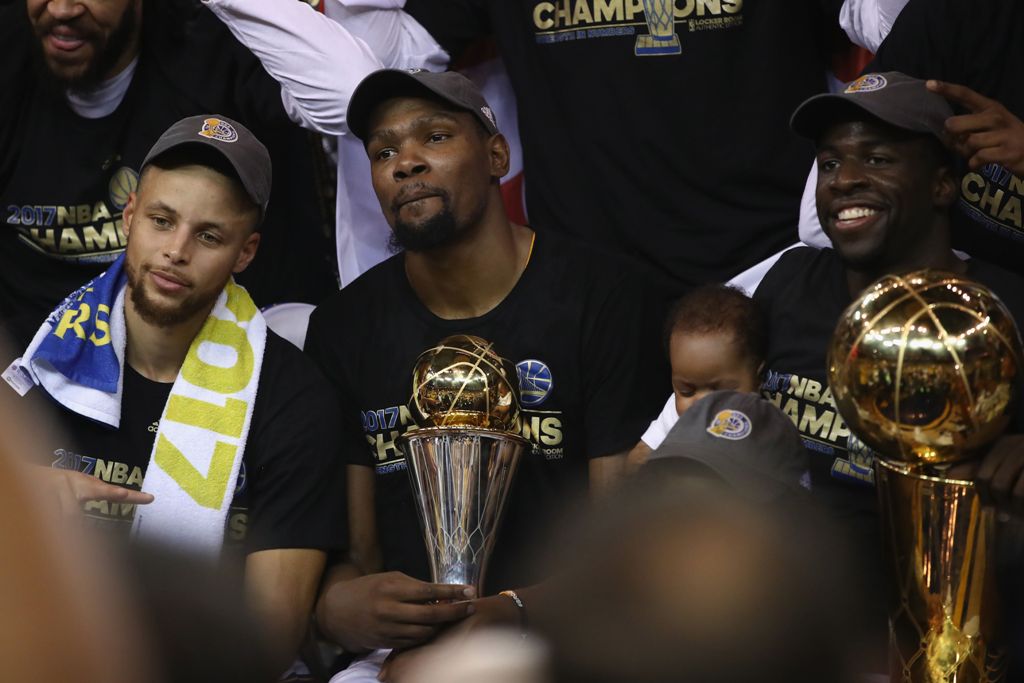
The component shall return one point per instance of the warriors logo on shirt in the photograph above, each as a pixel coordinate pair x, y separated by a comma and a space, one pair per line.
218, 129
535, 382
654, 23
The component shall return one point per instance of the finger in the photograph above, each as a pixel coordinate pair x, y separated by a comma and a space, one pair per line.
442, 613
407, 589
1004, 479
973, 123
100, 490
959, 94
987, 139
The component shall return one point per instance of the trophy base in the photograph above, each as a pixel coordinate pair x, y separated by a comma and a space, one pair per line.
655, 45
943, 609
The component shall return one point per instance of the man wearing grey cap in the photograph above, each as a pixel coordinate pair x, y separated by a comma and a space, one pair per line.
175, 396
575, 323
884, 193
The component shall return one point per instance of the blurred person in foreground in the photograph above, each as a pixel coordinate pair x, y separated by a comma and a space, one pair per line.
711, 565
169, 382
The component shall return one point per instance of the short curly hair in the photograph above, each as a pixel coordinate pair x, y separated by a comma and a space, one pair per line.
721, 308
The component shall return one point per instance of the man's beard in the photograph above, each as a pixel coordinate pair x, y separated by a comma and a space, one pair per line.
154, 314
439, 230
107, 53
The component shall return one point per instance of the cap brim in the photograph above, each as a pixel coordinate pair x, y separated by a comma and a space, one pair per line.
819, 112
379, 86
246, 174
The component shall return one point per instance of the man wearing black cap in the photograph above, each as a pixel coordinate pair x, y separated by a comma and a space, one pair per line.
884, 194
169, 383
573, 321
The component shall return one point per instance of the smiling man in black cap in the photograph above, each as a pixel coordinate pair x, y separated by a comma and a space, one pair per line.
573, 321
170, 383
884, 194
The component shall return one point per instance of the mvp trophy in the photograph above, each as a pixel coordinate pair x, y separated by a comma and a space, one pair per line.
925, 369
661, 26
462, 458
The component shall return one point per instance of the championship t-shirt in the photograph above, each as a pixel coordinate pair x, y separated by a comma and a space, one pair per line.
290, 491
979, 44
584, 338
65, 179
658, 129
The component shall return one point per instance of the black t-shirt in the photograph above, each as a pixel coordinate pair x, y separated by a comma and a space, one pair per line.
980, 44
64, 179
291, 487
576, 322
684, 160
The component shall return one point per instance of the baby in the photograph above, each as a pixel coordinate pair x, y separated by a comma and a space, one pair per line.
716, 338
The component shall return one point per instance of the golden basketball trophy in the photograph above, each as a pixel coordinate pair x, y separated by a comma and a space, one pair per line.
464, 454
925, 369
661, 38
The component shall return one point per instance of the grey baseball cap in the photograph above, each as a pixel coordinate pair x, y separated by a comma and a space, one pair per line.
742, 438
893, 97
450, 86
232, 140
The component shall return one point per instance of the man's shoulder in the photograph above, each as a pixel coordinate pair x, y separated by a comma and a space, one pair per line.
801, 264
572, 265
369, 290
1006, 285
287, 373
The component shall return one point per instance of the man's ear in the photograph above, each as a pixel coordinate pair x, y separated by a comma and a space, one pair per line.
128, 213
248, 252
500, 156
946, 189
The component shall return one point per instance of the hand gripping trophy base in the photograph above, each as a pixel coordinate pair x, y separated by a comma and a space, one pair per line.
460, 478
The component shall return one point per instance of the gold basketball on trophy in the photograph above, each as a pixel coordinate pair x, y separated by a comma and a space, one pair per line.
924, 367
463, 382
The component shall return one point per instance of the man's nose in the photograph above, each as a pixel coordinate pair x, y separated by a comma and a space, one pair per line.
410, 164
848, 176
65, 10
178, 247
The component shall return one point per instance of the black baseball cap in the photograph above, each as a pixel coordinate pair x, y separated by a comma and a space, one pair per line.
232, 140
742, 438
450, 86
893, 97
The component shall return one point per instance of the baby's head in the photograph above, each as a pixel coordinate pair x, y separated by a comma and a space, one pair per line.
716, 337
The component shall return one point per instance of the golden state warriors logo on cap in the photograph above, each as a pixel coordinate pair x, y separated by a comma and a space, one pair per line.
730, 424
218, 129
867, 83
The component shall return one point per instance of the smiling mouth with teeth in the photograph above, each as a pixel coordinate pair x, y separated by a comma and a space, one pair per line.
855, 213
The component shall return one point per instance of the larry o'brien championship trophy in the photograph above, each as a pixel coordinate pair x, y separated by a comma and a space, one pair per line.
462, 458
925, 369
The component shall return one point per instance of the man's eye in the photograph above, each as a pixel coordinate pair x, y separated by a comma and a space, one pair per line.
209, 238
439, 137
161, 222
876, 160
827, 165
385, 153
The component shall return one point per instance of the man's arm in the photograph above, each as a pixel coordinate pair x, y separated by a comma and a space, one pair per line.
281, 587
868, 22
317, 62
362, 609
606, 472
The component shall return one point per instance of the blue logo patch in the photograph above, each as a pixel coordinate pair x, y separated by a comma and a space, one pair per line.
730, 424
535, 382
